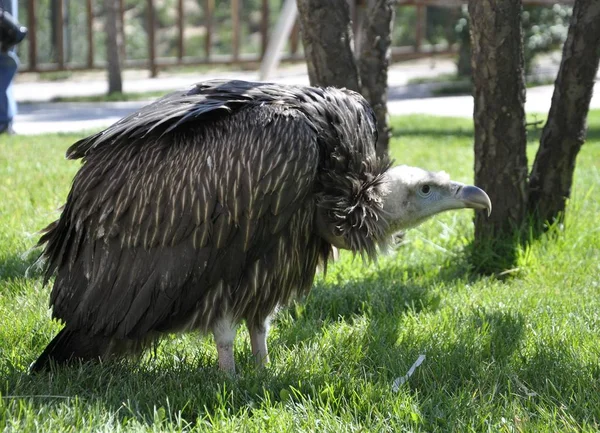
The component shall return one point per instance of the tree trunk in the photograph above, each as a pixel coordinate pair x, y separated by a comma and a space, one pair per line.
327, 37
54, 9
374, 60
113, 46
499, 116
564, 132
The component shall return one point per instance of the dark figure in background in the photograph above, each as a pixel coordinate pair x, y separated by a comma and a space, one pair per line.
11, 33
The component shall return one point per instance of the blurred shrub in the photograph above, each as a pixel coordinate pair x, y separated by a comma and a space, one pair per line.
544, 30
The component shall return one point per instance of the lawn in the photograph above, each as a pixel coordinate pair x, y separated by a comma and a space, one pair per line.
512, 352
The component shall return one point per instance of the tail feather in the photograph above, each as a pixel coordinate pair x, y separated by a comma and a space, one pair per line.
72, 346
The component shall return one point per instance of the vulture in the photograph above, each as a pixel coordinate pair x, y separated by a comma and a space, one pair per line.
214, 206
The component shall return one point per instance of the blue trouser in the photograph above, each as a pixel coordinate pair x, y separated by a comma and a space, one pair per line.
8, 106
8, 68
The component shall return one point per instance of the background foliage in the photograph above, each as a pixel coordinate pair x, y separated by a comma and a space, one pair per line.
544, 28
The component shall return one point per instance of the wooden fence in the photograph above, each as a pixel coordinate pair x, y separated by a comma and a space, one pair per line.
154, 63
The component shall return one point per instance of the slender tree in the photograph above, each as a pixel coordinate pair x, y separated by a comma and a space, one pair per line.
374, 61
60, 37
327, 37
564, 132
500, 136
113, 46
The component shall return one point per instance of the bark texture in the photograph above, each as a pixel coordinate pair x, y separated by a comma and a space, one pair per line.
327, 38
499, 116
374, 61
565, 130
113, 46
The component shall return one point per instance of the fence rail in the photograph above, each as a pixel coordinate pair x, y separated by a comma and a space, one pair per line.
153, 62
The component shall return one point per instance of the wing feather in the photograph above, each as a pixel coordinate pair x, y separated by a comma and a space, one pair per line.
211, 99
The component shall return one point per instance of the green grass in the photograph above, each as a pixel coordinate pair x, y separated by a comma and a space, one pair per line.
502, 354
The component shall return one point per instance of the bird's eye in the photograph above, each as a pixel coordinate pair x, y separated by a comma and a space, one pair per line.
425, 190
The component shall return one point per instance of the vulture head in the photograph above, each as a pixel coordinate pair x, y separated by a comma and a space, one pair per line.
414, 195
408, 196
213, 206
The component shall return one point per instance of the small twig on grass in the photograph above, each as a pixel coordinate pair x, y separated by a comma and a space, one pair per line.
402, 379
535, 123
509, 271
522, 387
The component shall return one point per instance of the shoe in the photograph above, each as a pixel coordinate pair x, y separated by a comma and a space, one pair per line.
7, 129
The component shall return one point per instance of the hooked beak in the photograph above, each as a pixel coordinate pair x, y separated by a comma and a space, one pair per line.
474, 198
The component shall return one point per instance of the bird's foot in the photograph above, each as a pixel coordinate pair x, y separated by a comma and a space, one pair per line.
258, 341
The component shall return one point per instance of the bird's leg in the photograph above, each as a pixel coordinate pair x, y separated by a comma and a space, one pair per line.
224, 331
258, 341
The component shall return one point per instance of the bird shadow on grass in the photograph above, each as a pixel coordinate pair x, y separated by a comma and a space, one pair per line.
19, 265
489, 364
481, 364
385, 292
484, 356
188, 380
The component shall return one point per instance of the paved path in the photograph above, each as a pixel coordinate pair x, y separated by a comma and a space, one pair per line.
37, 115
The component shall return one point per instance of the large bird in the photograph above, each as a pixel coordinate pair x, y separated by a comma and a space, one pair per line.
215, 205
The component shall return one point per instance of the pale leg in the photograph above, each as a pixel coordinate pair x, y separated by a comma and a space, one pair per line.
224, 332
258, 341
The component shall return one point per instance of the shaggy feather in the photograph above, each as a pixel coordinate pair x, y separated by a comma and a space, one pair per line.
353, 205
203, 204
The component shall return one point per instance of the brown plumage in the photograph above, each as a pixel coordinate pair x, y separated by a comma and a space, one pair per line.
210, 207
